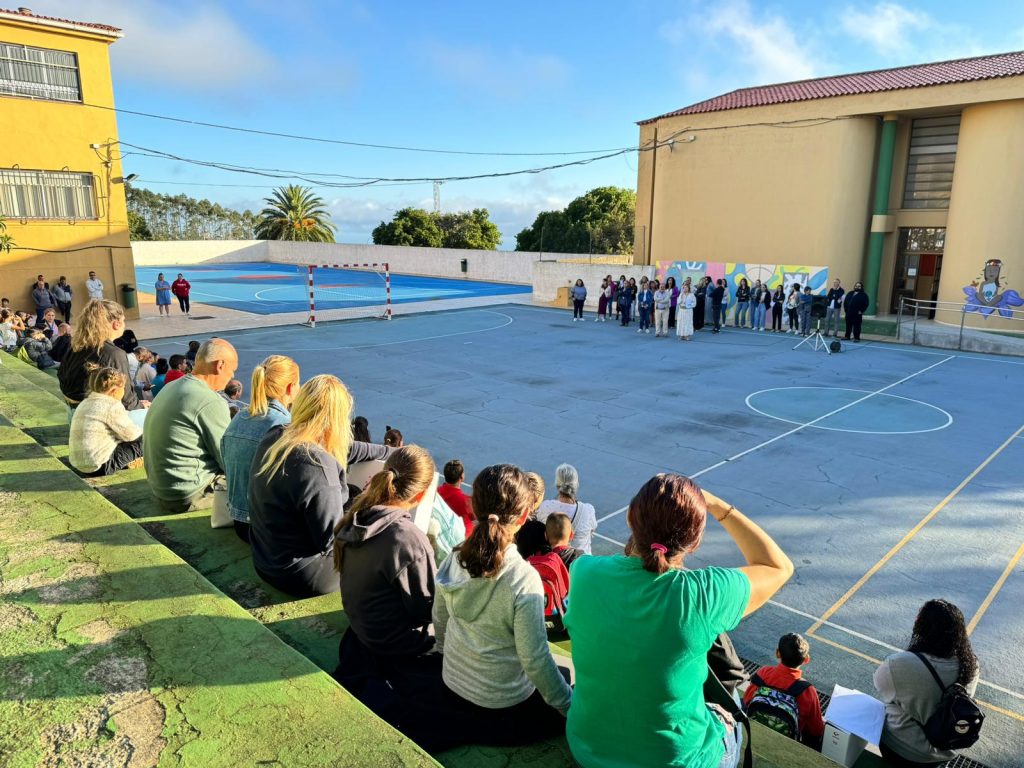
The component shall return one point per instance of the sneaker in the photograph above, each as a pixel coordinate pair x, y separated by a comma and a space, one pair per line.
648, 331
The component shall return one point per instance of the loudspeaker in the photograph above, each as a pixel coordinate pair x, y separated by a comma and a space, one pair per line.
835, 346
818, 305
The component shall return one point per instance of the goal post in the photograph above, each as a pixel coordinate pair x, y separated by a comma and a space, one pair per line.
353, 296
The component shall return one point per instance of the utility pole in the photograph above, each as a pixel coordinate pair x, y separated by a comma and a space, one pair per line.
437, 197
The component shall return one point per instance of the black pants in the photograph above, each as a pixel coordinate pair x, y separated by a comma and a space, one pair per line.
895, 759
577, 308
853, 323
716, 315
183, 303
242, 530
65, 309
124, 454
777, 317
671, 317
624, 313
318, 577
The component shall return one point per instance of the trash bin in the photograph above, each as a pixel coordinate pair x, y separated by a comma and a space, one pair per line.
465, 266
128, 300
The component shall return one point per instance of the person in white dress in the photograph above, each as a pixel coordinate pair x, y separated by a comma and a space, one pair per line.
684, 313
582, 516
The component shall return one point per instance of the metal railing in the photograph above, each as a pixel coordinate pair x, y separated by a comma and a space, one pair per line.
940, 323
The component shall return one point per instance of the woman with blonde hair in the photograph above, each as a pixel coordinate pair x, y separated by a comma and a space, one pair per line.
275, 384
298, 489
387, 587
100, 322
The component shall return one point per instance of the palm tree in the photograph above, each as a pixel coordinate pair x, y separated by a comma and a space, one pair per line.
295, 213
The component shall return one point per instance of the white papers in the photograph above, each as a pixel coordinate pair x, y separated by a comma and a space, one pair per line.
856, 713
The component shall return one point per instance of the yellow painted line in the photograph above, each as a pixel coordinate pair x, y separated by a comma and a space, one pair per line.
912, 533
995, 590
841, 647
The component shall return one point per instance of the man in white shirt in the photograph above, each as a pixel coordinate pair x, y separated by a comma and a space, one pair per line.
94, 286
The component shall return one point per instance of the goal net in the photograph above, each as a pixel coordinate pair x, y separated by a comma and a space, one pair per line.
343, 291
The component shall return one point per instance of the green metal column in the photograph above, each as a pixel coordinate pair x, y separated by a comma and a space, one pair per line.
883, 183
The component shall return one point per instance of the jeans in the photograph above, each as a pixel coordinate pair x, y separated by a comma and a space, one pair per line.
661, 321
65, 309
759, 312
742, 313
645, 318
577, 308
805, 319
624, 313
832, 312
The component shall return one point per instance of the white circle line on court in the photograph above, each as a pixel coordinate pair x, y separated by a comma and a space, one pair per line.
508, 321
949, 417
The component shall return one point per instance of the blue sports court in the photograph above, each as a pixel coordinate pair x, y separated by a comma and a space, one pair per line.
267, 289
889, 474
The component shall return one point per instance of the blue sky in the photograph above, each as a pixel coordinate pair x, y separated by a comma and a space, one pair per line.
513, 77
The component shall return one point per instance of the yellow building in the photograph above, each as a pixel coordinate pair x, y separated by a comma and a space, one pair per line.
61, 185
909, 179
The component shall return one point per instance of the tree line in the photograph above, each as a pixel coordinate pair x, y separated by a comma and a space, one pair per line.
156, 216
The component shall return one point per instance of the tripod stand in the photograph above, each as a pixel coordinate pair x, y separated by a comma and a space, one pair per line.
817, 338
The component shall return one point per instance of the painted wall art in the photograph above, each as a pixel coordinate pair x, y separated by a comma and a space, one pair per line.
770, 274
987, 293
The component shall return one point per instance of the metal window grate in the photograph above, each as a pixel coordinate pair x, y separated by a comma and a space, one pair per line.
39, 73
47, 195
933, 145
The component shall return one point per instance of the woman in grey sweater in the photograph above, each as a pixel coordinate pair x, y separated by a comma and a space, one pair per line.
910, 693
501, 684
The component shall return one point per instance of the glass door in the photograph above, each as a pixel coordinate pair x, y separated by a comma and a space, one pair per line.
918, 265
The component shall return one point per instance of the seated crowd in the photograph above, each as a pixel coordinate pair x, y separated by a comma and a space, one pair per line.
449, 612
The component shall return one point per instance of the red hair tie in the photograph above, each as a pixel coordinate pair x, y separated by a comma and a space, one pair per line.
660, 548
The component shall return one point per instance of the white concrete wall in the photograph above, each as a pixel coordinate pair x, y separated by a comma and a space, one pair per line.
549, 276
496, 266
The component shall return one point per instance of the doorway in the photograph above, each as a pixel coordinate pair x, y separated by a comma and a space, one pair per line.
918, 265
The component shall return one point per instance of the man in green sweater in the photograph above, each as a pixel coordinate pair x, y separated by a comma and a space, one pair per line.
181, 442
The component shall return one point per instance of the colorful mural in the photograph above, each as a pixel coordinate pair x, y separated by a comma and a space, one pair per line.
986, 294
770, 274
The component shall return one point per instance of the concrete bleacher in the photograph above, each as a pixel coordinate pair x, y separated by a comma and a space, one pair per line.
115, 634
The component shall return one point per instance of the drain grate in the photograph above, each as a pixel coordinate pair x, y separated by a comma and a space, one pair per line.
200, 317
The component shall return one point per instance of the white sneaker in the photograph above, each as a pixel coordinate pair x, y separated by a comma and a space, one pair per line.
647, 331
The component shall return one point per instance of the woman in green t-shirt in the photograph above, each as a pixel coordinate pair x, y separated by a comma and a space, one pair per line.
642, 625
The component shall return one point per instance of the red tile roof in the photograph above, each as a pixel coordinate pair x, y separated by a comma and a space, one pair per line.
27, 14
898, 78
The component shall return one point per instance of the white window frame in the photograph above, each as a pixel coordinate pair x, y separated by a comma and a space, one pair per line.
36, 195
56, 73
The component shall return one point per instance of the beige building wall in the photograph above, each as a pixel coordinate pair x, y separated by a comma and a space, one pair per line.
986, 212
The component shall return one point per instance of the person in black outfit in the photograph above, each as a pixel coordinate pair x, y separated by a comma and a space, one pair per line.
717, 297
702, 296
855, 304
99, 323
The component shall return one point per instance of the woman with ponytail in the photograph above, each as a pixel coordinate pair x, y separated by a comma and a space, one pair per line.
275, 383
298, 489
910, 694
501, 684
387, 587
642, 625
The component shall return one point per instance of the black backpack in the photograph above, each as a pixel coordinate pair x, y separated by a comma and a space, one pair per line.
777, 708
956, 722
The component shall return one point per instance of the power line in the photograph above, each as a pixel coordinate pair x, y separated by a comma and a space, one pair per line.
343, 142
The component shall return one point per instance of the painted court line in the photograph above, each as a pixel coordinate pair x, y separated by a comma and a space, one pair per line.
995, 589
798, 428
913, 531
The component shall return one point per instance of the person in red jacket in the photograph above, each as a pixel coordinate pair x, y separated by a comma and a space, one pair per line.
451, 492
793, 653
180, 288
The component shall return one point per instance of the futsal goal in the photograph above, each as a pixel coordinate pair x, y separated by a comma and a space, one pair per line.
341, 291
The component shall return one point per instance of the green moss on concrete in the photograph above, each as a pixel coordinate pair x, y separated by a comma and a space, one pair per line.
115, 649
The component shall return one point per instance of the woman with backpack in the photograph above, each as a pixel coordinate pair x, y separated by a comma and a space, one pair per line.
906, 684
642, 624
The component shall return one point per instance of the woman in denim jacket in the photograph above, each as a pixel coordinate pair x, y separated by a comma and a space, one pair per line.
275, 383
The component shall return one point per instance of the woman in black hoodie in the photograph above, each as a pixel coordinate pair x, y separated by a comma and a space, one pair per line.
387, 588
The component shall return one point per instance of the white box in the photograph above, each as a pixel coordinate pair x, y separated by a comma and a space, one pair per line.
841, 746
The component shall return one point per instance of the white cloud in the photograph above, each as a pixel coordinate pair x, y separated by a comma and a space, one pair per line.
512, 72
189, 47
886, 27
767, 44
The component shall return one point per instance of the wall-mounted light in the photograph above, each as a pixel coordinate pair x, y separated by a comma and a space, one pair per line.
123, 179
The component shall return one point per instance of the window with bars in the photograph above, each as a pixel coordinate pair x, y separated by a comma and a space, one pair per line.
933, 142
39, 73
47, 195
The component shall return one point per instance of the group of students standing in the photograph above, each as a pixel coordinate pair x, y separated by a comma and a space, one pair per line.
689, 308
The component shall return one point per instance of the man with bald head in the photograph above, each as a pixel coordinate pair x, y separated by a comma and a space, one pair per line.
181, 444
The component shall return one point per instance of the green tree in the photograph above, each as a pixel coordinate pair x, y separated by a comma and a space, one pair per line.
138, 229
469, 229
600, 221
155, 216
6, 240
410, 226
295, 213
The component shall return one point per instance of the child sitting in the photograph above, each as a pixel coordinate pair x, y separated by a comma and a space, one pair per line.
551, 567
558, 533
779, 698
104, 439
37, 349
392, 437
530, 537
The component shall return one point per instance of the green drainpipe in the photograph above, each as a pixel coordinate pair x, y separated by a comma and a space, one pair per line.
883, 183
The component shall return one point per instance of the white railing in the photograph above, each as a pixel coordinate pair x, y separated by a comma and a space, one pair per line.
912, 310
